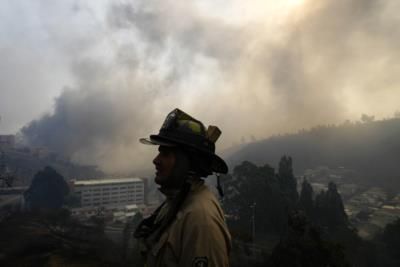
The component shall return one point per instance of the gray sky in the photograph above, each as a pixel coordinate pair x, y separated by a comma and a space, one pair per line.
96, 76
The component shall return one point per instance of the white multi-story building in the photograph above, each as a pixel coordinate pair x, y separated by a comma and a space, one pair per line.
110, 192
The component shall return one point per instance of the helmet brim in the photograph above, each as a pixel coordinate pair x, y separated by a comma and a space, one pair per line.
152, 142
219, 165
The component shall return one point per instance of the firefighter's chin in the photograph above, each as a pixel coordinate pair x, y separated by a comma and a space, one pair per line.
160, 180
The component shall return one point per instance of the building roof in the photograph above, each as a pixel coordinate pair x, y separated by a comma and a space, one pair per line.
132, 206
107, 181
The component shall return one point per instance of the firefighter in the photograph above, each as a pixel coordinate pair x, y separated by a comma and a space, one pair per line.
189, 228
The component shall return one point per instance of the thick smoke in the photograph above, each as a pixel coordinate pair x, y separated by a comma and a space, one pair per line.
329, 61
101, 120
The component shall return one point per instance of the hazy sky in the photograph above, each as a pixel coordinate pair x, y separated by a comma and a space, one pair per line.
96, 76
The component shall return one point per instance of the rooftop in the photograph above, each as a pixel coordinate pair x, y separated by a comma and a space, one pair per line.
107, 181
132, 206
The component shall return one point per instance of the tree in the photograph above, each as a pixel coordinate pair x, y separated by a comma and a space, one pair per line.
306, 202
365, 118
47, 190
330, 209
303, 246
391, 238
251, 185
287, 181
335, 207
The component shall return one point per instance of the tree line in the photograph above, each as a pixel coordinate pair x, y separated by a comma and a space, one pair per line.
265, 210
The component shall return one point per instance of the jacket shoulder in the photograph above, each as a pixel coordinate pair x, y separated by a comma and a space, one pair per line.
202, 206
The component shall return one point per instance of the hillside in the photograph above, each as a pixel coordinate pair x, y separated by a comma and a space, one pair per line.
25, 162
372, 149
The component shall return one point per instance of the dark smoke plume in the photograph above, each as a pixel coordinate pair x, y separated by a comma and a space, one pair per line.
330, 61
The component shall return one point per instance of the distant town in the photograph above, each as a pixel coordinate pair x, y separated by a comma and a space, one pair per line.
369, 209
259, 203
118, 199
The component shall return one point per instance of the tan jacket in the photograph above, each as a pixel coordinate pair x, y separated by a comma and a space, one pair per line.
198, 237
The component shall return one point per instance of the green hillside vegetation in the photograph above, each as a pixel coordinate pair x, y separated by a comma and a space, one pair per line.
274, 225
371, 148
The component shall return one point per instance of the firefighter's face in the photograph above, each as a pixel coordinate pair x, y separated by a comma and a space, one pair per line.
164, 163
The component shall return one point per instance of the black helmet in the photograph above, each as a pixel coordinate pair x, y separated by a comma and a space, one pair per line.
180, 129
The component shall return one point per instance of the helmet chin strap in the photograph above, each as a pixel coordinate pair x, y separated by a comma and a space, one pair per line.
219, 187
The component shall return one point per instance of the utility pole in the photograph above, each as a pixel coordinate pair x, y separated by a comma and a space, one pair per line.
253, 230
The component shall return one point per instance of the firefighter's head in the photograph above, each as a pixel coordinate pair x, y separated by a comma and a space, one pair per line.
185, 146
